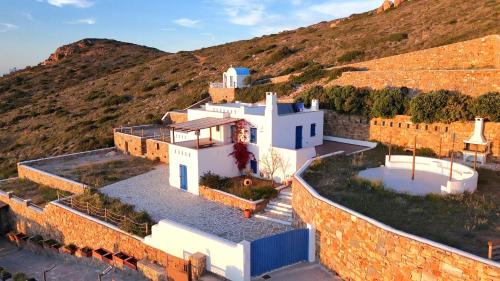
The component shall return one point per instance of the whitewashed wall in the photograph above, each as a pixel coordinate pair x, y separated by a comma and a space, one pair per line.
224, 257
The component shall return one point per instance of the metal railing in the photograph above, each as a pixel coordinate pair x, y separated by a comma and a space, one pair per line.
216, 85
106, 215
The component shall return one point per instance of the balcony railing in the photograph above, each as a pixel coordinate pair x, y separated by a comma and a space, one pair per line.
216, 85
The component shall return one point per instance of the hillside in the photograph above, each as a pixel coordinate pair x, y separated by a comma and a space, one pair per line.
71, 102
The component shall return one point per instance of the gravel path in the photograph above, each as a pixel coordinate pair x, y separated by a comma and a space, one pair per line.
151, 192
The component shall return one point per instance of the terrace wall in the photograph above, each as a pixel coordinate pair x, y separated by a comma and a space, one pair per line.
157, 149
401, 131
66, 225
360, 248
470, 82
130, 144
51, 180
232, 200
220, 94
472, 54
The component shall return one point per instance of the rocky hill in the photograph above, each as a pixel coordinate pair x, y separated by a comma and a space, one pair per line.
71, 101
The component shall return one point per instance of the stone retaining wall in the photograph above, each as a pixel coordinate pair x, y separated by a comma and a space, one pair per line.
130, 144
360, 248
401, 131
232, 200
157, 149
472, 54
66, 225
469, 82
51, 180
220, 94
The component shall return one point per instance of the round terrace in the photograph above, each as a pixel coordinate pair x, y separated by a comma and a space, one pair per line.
423, 175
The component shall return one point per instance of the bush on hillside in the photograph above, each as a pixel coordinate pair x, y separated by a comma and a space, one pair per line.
279, 55
349, 99
311, 73
487, 106
350, 56
316, 92
388, 102
440, 106
258, 92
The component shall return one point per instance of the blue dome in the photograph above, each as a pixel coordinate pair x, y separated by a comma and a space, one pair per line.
242, 70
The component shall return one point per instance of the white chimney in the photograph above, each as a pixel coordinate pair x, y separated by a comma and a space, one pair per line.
314, 105
271, 102
478, 136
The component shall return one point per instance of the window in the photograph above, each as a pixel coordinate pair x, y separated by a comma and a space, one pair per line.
253, 135
383, 123
217, 128
253, 166
313, 129
157, 146
233, 133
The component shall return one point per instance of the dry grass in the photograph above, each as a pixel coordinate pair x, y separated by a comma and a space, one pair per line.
102, 174
25, 189
465, 221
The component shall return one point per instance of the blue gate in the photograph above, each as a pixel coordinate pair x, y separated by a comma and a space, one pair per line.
279, 250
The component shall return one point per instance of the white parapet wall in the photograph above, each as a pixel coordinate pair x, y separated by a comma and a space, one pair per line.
464, 178
226, 258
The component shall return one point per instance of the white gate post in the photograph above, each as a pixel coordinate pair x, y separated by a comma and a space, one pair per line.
312, 243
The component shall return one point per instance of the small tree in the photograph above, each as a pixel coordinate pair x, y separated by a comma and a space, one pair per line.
270, 163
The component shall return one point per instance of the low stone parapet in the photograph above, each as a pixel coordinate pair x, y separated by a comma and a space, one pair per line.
360, 248
50, 180
232, 200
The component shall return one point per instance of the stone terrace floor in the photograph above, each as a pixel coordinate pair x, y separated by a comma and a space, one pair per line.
151, 192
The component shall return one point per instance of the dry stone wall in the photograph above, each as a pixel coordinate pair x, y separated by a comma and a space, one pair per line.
130, 144
231, 200
472, 54
221, 94
157, 149
470, 82
358, 249
58, 222
54, 181
401, 131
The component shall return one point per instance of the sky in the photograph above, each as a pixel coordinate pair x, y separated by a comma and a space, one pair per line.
30, 30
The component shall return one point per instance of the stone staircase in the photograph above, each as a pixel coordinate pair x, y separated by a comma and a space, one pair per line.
279, 209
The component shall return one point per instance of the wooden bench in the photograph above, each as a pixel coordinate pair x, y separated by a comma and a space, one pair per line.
494, 250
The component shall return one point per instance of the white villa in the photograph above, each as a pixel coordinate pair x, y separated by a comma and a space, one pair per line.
281, 138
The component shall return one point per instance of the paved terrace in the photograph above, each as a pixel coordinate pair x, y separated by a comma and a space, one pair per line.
151, 192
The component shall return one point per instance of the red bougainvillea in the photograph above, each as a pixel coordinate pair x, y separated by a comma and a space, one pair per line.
240, 153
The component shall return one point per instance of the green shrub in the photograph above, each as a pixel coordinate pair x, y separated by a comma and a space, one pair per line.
116, 100
337, 72
396, 37
279, 55
316, 92
20, 277
388, 102
297, 66
440, 106
348, 99
258, 92
215, 181
487, 106
310, 74
350, 56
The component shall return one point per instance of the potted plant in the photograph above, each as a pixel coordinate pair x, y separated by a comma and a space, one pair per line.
84, 252
69, 249
19, 277
247, 213
36, 240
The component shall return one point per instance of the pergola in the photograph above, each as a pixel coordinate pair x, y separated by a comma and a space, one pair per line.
200, 124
